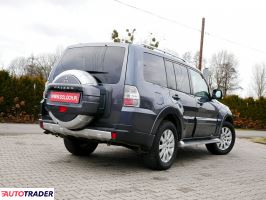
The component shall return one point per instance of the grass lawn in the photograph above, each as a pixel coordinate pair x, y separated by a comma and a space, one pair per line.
259, 140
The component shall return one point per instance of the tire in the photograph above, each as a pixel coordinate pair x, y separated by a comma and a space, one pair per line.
79, 147
227, 134
165, 143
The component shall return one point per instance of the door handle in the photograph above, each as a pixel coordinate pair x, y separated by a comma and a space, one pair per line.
200, 103
175, 97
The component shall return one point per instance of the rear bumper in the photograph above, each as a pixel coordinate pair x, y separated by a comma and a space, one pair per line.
123, 137
85, 133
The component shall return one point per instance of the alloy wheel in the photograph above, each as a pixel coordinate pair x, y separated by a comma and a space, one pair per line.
226, 139
166, 145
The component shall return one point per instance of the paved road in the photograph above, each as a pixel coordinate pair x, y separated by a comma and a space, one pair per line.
37, 160
250, 133
15, 129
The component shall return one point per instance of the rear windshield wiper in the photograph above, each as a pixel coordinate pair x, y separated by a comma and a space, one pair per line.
97, 72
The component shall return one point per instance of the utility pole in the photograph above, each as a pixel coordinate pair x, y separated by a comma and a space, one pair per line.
201, 43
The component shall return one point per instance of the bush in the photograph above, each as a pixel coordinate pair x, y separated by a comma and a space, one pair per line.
20, 97
248, 113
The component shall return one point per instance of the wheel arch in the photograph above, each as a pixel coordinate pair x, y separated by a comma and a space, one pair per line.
170, 114
226, 118
229, 118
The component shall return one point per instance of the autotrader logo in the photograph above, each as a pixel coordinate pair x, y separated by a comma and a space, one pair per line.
26, 193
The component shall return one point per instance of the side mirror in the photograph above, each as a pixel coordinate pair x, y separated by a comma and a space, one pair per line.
217, 94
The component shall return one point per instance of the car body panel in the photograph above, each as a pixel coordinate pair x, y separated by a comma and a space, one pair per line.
137, 126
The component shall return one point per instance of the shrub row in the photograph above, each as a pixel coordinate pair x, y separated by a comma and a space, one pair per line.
248, 112
20, 97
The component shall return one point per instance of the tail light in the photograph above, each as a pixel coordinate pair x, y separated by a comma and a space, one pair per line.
113, 135
62, 109
131, 96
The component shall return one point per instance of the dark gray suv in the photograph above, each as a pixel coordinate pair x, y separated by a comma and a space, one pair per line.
133, 96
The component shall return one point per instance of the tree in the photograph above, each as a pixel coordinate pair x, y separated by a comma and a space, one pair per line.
187, 56
32, 69
196, 60
45, 62
193, 58
22, 66
128, 39
151, 42
17, 66
224, 72
115, 36
259, 80
34, 66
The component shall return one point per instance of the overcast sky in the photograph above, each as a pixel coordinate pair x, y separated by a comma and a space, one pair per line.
42, 26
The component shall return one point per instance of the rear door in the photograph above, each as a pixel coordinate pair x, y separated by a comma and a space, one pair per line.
107, 64
179, 91
207, 113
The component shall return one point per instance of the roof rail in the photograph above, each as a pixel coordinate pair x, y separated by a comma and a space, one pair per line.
163, 51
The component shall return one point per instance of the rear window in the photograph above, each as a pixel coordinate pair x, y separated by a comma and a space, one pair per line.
104, 63
154, 70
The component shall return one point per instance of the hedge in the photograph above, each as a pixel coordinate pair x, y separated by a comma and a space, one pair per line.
20, 98
248, 112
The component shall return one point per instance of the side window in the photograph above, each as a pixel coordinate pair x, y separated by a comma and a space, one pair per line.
154, 70
170, 75
182, 80
200, 87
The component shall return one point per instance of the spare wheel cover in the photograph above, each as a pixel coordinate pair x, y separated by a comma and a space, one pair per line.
83, 78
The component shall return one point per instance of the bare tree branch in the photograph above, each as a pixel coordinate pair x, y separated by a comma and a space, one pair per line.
259, 80
224, 72
39, 66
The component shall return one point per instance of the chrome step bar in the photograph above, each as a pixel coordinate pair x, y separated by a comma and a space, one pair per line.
197, 142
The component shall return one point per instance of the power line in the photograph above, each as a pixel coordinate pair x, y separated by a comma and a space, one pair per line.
158, 16
235, 43
190, 27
